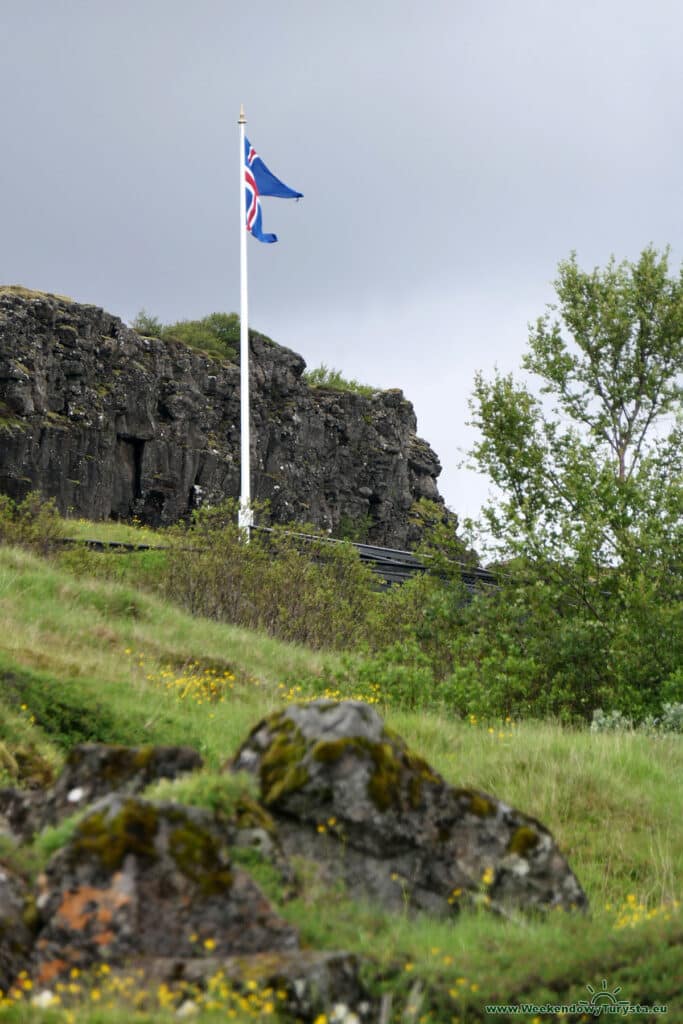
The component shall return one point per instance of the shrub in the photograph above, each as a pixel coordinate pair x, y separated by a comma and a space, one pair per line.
325, 377
33, 523
670, 720
147, 325
313, 592
217, 334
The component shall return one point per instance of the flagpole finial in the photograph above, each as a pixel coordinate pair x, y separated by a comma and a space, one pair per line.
242, 118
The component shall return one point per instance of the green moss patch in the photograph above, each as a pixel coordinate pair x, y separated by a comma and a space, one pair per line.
476, 803
281, 769
393, 770
197, 855
110, 840
523, 840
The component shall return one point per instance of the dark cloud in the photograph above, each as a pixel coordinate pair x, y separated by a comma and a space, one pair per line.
450, 152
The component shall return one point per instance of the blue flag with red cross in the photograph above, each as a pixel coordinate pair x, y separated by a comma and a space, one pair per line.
259, 181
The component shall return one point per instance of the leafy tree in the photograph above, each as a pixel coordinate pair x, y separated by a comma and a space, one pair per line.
147, 325
590, 475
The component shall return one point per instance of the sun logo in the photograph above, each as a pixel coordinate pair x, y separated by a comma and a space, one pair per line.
603, 997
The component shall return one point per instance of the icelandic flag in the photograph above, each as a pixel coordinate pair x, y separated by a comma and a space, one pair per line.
259, 181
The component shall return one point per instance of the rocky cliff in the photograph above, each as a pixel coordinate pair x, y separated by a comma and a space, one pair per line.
112, 424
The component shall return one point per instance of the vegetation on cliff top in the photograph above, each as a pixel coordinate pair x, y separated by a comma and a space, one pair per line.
327, 377
30, 293
217, 334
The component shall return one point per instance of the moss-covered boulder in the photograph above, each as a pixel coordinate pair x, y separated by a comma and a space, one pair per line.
348, 793
93, 770
20, 811
140, 879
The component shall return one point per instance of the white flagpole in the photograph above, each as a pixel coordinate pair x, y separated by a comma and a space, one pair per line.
245, 517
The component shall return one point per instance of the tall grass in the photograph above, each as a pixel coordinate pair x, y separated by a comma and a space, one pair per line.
87, 656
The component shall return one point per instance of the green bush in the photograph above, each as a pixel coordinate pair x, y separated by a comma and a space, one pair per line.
217, 334
313, 592
33, 523
326, 377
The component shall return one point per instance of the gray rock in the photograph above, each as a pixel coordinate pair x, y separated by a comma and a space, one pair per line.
16, 937
350, 795
93, 770
313, 982
143, 879
112, 424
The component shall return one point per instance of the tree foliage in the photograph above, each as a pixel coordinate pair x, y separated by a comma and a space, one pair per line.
589, 468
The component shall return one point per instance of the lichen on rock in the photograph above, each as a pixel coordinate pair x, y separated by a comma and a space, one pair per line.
139, 878
349, 793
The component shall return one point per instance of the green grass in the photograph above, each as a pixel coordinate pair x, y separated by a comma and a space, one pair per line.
107, 530
31, 293
103, 649
91, 658
326, 377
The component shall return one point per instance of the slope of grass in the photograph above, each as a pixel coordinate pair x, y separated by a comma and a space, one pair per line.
143, 666
88, 658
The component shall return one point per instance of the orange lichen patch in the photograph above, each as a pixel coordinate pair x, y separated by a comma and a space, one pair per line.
50, 970
88, 904
104, 938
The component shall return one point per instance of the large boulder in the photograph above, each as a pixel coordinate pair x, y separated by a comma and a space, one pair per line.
349, 794
91, 771
142, 879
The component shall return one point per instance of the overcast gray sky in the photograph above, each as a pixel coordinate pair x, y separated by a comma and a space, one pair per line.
451, 152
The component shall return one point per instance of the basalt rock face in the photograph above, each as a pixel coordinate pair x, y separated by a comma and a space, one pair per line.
112, 424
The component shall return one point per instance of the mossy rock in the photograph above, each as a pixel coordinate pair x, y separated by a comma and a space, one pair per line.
395, 770
476, 803
117, 762
339, 782
34, 770
132, 830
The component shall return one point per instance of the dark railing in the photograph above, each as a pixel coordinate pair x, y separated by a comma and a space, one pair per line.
392, 565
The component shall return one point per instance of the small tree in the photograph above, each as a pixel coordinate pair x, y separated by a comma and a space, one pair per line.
147, 325
591, 482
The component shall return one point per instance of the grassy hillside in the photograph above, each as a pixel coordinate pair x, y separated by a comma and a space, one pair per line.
84, 658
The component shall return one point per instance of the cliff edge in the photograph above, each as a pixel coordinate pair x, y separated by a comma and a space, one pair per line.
112, 424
